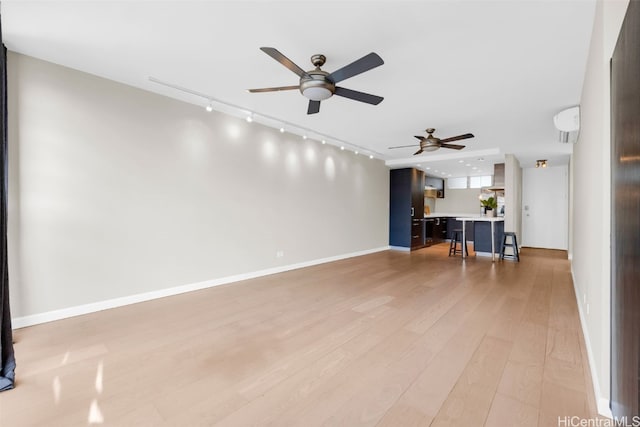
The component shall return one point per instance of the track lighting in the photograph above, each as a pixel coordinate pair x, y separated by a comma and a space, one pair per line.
541, 163
241, 111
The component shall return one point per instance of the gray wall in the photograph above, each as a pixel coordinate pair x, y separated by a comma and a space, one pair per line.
115, 191
461, 200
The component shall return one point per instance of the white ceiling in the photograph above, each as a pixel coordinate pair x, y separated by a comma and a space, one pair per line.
498, 69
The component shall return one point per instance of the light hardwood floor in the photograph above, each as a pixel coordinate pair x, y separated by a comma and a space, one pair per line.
389, 339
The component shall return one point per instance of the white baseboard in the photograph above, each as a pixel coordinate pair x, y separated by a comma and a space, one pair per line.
400, 248
50, 316
601, 402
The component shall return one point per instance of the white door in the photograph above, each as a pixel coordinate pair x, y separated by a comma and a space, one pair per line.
545, 207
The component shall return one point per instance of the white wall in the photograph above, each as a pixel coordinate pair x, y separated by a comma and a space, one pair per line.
513, 195
592, 197
115, 191
459, 201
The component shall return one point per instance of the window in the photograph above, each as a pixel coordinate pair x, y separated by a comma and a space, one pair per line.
480, 181
456, 183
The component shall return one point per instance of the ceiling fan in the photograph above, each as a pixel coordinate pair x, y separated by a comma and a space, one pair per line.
318, 85
431, 143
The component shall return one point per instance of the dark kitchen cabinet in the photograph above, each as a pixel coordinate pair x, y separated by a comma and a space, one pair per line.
482, 236
406, 208
440, 229
429, 225
437, 183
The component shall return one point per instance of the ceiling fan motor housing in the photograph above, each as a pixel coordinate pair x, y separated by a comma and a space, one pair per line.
317, 87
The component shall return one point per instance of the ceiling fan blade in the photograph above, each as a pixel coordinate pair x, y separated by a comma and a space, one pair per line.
358, 96
402, 146
454, 146
457, 138
418, 152
420, 137
275, 54
314, 107
273, 89
359, 66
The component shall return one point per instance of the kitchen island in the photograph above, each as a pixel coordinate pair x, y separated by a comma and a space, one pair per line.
484, 231
484, 228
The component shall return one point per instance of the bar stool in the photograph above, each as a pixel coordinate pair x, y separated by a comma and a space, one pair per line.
456, 237
513, 245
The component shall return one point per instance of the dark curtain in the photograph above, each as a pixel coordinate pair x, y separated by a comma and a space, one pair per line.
7, 359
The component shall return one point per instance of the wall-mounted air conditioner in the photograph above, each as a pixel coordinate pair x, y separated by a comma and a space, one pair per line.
568, 124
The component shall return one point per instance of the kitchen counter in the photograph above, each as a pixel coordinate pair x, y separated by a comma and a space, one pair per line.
481, 218
466, 217
451, 215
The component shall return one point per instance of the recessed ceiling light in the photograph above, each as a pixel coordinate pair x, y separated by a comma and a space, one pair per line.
342, 148
324, 142
249, 118
304, 136
474, 168
371, 156
419, 164
435, 170
460, 161
449, 174
209, 108
468, 164
282, 130
356, 151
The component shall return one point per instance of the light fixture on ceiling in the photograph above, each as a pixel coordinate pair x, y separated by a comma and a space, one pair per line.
460, 161
541, 163
342, 147
282, 129
249, 118
356, 151
324, 142
371, 156
317, 93
304, 136
209, 107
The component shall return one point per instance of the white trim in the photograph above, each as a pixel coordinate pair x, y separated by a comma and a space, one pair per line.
50, 316
601, 402
400, 248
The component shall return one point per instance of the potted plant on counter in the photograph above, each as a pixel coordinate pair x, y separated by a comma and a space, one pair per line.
490, 206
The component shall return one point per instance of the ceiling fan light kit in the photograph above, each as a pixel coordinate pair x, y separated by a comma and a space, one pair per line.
432, 143
318, 85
